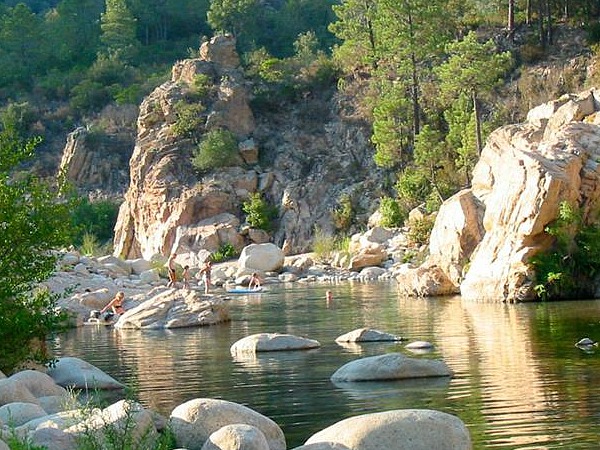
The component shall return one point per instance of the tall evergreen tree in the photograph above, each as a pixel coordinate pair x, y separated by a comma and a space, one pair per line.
118, 27
474, 69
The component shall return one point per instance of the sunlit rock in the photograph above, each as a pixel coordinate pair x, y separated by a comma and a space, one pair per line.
175, 308
410, 429
76, 373
367, 335
390, 366
237, 436
269, 342
195, 420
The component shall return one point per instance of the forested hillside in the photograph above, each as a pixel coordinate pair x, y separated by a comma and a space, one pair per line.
432, 77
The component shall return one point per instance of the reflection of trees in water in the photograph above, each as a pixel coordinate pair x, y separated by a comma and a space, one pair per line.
517, 371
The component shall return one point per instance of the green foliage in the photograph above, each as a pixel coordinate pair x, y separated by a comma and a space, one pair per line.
472, 67
201, 85
218, 148
225, 252
593, 32
325, 245
412, 187
32, 222
190, 119
390, 134
259, 213
569, 267
391, 213
119, 41
420, 230
96, 219
16, 442
343, 215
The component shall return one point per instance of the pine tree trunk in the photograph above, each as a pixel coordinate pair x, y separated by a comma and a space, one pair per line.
477, 123
511, 17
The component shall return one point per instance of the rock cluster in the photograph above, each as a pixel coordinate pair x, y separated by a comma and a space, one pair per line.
169, 207
43, 409
484, 237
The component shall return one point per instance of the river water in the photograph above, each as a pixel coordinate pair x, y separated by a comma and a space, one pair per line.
519, 383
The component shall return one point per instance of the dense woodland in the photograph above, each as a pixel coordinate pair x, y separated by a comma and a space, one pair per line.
430, 77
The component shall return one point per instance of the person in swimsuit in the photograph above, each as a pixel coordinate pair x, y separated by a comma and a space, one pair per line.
116, 304
185, 276
254, 281
205, 271
172, 271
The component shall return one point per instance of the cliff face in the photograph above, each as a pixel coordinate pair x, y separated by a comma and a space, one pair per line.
484, 236
301, 170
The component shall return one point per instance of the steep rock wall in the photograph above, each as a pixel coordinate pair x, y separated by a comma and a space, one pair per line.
301, 158
484, 237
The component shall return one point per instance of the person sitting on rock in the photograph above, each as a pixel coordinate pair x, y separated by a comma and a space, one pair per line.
116, 304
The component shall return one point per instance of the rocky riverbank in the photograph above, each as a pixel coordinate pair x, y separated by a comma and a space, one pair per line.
44, 408
89, 283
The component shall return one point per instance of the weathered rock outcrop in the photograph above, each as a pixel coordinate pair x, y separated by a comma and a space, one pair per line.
485, 236
97, 161
301, 158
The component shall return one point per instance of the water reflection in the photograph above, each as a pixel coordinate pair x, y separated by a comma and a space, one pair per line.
519, 381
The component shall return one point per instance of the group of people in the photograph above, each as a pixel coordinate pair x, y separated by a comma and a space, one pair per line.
116, 304
205, 271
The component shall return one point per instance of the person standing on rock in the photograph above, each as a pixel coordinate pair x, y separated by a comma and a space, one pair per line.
206, 272
172, 270
185, 277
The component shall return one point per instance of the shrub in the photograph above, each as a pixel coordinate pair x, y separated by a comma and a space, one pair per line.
568, 269
343, 215
420, 230
259, 214
323, 244
201, 85
34, 220
225, 252
218, 148
391, 214
94, 218
189, 120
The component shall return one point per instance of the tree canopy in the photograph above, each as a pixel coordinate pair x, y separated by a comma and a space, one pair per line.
33, 222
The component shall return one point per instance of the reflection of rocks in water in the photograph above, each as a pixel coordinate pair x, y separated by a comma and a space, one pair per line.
267, 362
351, 347
413, 387
370, 347
420, 347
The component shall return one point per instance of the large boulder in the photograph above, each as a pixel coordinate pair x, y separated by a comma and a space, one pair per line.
194, 421
238, 436
261, 258
39, 383
18, 413
175, 308
410, 429
78, 374
485, 237
367, 335
270, 342
391, 366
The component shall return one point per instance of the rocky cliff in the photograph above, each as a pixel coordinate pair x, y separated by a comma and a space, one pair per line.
301, 170
485, 236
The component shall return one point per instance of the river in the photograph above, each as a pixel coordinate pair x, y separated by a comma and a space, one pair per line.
519, 383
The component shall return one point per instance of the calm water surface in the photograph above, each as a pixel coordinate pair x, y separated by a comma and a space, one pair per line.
520, 383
